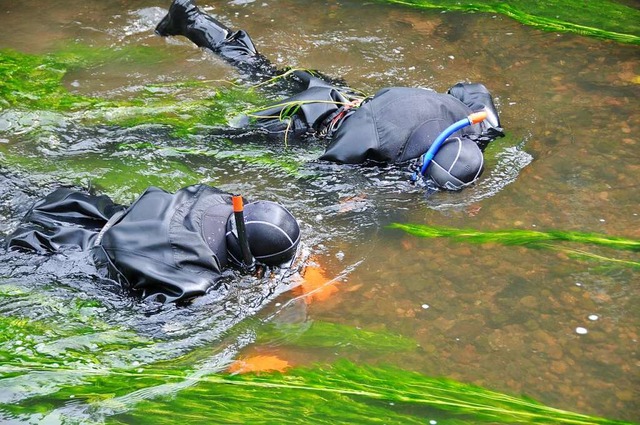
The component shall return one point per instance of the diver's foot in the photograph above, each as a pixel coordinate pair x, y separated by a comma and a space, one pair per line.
164, 28
175, 21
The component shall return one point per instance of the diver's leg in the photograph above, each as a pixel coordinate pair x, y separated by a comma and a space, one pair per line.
184, 18
64, 218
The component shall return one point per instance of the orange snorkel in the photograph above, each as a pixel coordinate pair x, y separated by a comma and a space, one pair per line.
238, 214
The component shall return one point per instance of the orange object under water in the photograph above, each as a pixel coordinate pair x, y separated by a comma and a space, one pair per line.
315, 285
259, 364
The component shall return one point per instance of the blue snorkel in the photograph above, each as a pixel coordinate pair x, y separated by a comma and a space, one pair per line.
426, 158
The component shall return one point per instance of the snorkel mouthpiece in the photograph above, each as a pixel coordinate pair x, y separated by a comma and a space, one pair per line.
477, 117
238, 215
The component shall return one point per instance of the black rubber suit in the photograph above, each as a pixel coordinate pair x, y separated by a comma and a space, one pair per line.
395, 125
170, 247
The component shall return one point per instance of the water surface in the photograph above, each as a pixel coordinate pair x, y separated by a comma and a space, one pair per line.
501, 317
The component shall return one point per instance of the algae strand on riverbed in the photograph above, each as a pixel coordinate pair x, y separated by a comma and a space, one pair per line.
606, 19
530, 238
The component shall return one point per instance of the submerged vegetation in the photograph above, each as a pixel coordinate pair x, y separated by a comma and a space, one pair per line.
529, 238
89, 360
346, 393
607, 19
35, 104
32, 82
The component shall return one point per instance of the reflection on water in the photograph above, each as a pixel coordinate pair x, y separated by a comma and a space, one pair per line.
505, 170
501, 317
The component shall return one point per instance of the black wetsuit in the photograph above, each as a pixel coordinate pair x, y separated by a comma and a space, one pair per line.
156, 247
395, 125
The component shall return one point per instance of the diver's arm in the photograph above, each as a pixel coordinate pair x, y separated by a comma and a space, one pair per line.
236, 47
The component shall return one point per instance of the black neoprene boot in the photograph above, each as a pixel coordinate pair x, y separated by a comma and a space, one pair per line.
184, 18
175, 21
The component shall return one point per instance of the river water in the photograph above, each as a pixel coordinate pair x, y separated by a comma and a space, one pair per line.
508, 318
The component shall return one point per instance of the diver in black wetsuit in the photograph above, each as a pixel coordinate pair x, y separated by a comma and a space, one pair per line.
396, 125
167, 247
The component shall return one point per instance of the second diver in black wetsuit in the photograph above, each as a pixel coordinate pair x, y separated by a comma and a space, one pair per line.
396, 125
168, 247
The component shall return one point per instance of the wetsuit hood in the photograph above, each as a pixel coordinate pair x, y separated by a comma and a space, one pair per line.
458, 163
273, 234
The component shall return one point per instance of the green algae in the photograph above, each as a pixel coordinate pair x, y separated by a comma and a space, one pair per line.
31, 82
36, 105
344, 382
35, 82
126, 169
518, 236
326, 334
530, 238
322, 393
603, 19
74, 358
93, 366
74, 336
344, 393
121, 177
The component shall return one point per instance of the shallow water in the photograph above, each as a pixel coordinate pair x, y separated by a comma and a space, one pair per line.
501, 317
